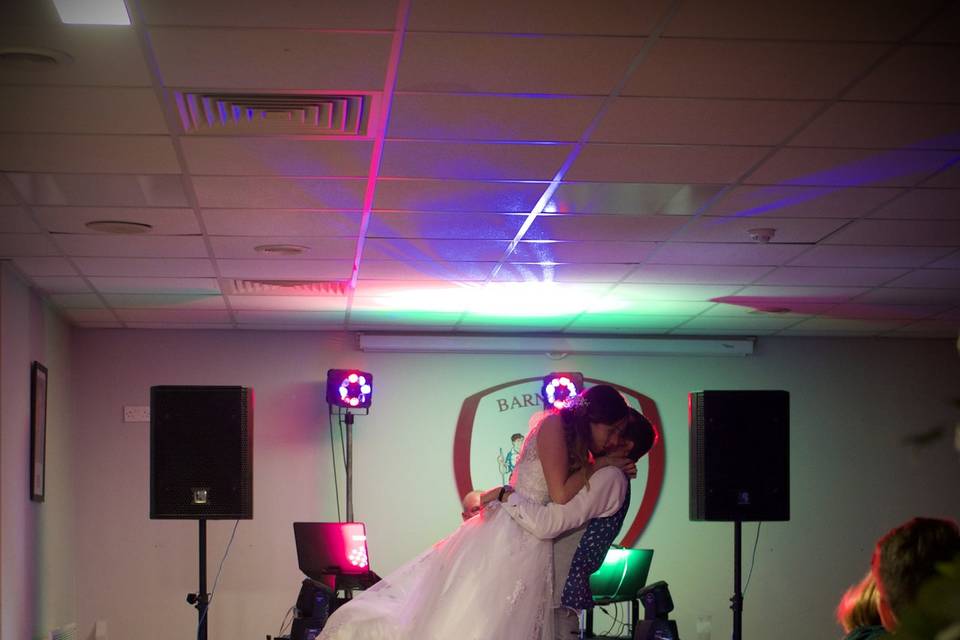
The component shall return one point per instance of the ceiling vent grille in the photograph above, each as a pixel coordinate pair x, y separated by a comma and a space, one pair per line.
230, 114
290, 287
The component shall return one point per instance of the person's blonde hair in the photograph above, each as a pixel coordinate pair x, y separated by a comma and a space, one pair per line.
859, 605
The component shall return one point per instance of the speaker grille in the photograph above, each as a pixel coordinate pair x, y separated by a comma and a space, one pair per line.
201, 458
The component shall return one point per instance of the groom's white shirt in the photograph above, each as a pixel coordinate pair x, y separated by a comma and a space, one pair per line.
603, 498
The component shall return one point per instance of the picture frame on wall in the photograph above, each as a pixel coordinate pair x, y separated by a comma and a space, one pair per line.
38, 431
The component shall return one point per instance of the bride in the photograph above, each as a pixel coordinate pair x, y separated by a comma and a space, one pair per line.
491, 579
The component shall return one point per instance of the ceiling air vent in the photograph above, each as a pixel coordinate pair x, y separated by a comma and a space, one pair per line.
248, 113
291, 287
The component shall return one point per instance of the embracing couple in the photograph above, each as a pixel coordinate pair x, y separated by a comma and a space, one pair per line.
500, 575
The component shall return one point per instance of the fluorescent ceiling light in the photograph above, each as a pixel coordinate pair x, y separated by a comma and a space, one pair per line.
92, 11
418, 343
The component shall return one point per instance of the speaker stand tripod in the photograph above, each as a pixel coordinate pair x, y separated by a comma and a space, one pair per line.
737, 599
201, 599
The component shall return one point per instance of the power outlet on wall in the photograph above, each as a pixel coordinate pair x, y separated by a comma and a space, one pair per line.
136, 414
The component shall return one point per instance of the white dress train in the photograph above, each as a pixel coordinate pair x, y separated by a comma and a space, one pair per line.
489, 580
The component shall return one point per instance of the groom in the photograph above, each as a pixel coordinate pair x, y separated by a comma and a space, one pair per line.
585, 527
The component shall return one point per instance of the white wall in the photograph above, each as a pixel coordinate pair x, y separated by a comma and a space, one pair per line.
853, 401
37, 578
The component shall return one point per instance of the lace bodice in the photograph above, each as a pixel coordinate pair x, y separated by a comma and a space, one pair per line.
528, 479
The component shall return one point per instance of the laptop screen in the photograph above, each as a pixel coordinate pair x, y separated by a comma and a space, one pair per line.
337, 548
624, 572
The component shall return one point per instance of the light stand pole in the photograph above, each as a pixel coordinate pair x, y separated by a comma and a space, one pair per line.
348, 462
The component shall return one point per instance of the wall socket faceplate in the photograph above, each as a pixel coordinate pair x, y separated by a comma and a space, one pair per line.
136, 414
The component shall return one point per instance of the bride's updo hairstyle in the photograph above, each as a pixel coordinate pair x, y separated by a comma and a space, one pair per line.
601, 403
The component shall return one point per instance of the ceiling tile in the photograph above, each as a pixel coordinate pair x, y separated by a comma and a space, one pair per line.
485, 322
146, 267
415, 250
479, 226
635, 163
880, 125
788, 230
174, 315
946, 28
680, 292
288, 303
800, 202
927, 329
581, 272
317, 248
813, 294
830, 276
744, 69
726, 253
472, 161
101, 190
948, 178
617, 17
123, 284
604, 227
884, 311
620, 197
849, 167
87, 153
281, 222
8, 195
89, 316
626, 303
60, 284
697, 274
164, 301
17, 220
99, 55
934, 278
45, 266
812, 20
207, 326
919, 233
457, 195
915, 73
278, 193
364, 319
99, 325
691, 121
426, 270
77, 301
286, 269
816, 325
514, 64
302, 319
14, 245
491, 117
271, 59
317, 14
576, 251
38, 109
904, 296
854, 256
923, 204
757, 308
739, 324
621, 323
951, 261
165, 221
269, 156
109, 245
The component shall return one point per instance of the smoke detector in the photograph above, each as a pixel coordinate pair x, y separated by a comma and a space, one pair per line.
762, 236
32, 58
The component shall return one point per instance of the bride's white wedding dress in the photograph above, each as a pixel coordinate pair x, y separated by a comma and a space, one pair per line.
489, 580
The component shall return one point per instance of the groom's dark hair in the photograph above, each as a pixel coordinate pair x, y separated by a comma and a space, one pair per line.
640, 431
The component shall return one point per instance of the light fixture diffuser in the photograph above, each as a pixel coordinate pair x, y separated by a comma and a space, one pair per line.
102, 12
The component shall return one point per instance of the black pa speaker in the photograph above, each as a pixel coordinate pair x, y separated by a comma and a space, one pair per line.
201, 452
740, 455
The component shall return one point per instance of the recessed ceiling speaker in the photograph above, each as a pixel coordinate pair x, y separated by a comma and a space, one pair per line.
201, 452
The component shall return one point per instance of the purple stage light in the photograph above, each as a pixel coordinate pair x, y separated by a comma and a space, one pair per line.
559, 387
349, 388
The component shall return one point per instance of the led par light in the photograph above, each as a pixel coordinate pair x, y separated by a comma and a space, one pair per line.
349, 388
559, 387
